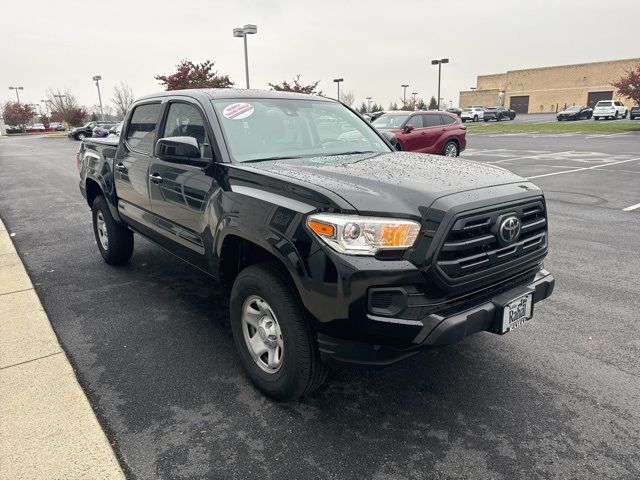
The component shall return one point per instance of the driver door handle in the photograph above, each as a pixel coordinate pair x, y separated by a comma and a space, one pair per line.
121, 168
155, 178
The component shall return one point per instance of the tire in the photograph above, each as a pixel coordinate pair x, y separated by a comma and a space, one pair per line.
616, 116
475, 118
486, 120
398, 147
451, 149
266, 288
81, 136
498, 118
595, 119
119, 239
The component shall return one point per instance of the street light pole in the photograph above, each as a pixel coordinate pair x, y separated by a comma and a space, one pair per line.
46, 106
337, 81
97, 78
243, 32
439, 63
404, 95
16, 89
369, 104
414, 99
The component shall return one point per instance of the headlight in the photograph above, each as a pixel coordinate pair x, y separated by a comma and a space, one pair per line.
356, 235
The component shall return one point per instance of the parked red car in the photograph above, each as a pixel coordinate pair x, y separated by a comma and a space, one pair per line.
441, 133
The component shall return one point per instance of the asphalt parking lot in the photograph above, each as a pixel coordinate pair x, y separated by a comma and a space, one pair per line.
557, 399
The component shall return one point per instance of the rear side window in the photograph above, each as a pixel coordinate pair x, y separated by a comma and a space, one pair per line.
416, 121
447, 120
432, 120
142, 127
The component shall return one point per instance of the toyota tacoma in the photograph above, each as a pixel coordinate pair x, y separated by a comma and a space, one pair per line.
336, 249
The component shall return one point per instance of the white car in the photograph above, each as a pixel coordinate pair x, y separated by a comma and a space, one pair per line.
37, 126
474, 114
613, 109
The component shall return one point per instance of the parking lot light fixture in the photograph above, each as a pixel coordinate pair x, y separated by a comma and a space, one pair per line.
17, 94
404, 94
337, 81
97, 78
439, 63
242, 32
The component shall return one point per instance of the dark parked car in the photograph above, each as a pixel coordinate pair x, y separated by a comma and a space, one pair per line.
498, 114
634, 112
441, 133
455, 111
80, 133
581, 112
335, 247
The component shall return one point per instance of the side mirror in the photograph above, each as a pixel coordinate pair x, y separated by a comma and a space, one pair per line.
391, 138
178, 149
408, 128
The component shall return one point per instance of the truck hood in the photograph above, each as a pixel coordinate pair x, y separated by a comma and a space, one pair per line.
397, 183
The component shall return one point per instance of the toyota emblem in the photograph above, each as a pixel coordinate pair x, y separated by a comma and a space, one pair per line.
509, 229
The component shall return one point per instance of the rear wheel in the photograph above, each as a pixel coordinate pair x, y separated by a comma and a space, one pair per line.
616, 116
278, 348
115, 241
451, 149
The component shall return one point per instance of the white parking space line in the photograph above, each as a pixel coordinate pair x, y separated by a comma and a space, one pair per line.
632, 207
583, 168
534, 157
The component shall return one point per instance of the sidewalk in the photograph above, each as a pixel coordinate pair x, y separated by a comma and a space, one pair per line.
47, 427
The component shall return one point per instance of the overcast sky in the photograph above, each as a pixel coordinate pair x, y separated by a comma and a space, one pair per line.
375, 45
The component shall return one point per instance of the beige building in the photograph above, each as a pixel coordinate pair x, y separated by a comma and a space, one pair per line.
549, 89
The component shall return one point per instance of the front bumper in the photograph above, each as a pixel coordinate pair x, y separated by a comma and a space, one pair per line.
444, 327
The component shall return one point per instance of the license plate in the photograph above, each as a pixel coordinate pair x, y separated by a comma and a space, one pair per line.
517, 312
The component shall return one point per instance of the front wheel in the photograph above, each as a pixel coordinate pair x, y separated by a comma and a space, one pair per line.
81, 136
475, 118
451, 149
115, 241
278, 348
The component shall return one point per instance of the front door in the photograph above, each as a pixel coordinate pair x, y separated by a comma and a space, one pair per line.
413, 141
180, 193
131, 165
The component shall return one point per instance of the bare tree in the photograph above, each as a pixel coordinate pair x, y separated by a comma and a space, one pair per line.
122, 99
64, 107
347, 98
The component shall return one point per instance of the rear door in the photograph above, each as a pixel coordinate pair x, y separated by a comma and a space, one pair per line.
180, 192
131, 169
434, 129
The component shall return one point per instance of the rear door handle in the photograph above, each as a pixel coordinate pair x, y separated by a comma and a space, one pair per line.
155, 178
121, 168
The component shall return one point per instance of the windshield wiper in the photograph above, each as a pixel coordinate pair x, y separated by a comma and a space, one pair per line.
266, 159
354, 152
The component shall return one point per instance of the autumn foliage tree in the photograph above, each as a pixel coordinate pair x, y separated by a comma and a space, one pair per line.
194, 75
15, 113
296, 86
629, 85
65, 108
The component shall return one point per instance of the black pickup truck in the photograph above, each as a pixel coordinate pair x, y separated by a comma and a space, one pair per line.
336, 248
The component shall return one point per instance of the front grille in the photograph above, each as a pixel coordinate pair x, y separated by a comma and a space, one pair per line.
472, 245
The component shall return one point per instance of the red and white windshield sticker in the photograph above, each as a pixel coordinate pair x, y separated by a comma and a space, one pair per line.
238, 111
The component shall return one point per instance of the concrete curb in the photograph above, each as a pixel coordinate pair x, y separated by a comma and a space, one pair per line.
48, 429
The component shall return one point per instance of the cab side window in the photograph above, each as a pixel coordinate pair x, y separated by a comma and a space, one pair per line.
142, 127
184, 120
416, 121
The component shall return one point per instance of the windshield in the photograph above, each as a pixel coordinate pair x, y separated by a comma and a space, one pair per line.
572, 109
604, 104
390, 121
272, 128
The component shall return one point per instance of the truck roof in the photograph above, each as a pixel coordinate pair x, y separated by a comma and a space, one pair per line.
216, 93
